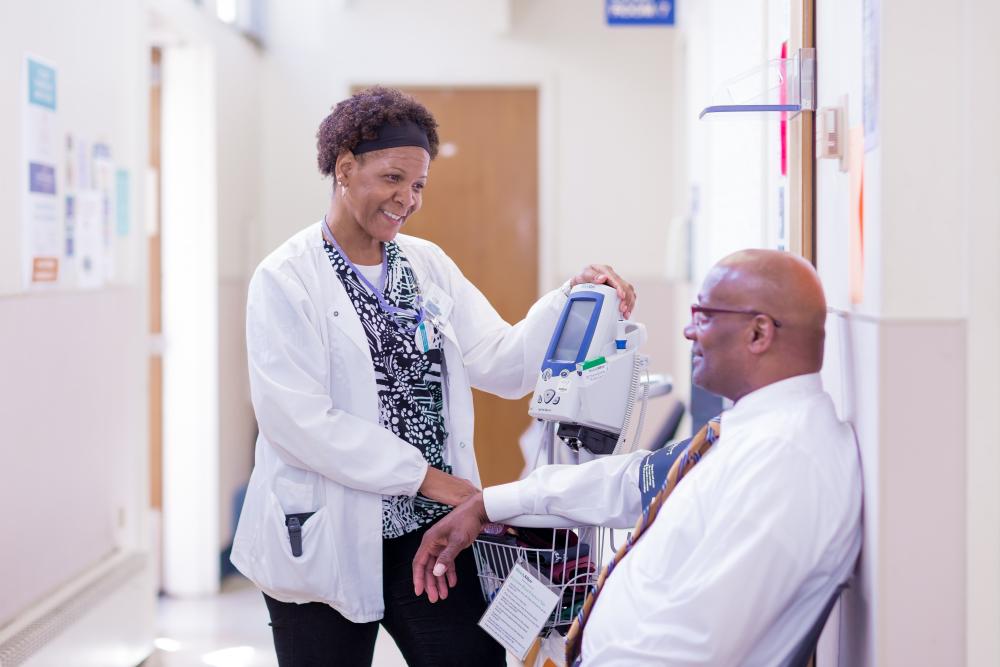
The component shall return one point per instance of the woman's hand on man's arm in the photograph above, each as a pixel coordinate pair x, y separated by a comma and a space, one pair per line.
445, 488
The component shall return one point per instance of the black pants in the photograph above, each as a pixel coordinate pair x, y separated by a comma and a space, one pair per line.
432, 635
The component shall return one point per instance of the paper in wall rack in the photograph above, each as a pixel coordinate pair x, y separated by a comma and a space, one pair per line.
785, 85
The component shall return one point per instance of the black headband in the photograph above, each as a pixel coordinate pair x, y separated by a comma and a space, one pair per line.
405, 133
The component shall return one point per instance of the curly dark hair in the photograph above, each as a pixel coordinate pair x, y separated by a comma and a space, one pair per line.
359, 117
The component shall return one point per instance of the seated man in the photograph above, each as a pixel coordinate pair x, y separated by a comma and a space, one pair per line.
741, 558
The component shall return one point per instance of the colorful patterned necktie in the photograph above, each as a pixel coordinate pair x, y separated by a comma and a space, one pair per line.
700, 444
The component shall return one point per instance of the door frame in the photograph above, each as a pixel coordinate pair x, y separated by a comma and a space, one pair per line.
802, 146
189, 522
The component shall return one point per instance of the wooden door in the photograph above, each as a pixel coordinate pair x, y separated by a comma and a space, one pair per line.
481, 207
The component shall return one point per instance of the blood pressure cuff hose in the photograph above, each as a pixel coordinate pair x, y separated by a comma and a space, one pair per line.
654, 469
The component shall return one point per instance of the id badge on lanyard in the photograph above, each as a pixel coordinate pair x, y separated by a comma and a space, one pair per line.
423, 336
437, 305
433, 308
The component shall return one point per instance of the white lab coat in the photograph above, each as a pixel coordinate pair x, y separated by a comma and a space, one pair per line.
321, 447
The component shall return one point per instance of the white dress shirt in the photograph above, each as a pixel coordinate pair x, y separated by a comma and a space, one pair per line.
743, 555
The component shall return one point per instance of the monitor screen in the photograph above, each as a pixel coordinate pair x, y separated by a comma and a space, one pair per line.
573, 331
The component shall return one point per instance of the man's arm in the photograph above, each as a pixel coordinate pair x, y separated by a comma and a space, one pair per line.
602, 492
434, 563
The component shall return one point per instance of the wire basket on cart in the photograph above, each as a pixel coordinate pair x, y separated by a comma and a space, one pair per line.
568, 559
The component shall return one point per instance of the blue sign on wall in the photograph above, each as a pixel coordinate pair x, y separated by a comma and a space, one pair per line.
41, 85
639, 12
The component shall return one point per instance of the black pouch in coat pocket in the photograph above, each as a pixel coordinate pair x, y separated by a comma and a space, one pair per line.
294, 524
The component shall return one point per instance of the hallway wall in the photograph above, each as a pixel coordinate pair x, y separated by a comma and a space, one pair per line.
74, 473
921, 376
606, 116
73, 480
609, 143
914, 366
980, 205
912, 356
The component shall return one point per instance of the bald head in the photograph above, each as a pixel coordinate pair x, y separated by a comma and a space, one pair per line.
779, 283
775, 326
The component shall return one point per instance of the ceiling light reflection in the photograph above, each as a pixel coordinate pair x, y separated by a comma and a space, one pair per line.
167, 644
236, 656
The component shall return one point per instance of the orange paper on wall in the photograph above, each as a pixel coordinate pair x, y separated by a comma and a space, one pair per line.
44, 269
856, 229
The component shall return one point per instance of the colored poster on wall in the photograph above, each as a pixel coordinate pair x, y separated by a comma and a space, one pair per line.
42, 234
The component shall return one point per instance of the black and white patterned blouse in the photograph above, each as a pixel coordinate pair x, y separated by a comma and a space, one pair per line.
409, 381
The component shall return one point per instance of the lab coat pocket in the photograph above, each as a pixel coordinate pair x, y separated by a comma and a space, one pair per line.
298, 558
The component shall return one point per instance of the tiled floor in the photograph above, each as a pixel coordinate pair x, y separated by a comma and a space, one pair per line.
230, 630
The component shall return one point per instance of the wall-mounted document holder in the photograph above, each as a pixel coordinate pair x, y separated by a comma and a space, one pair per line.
781, 85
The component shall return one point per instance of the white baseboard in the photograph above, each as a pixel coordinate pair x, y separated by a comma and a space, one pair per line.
104, 618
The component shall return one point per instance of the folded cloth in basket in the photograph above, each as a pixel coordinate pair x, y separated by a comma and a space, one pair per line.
544, 538
555, 557
567, 612
572, 571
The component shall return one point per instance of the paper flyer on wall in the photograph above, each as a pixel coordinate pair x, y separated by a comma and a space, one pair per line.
42, 233
90, 253
97, 209
88, 225
104, 182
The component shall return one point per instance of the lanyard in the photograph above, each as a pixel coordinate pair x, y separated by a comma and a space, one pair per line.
379, 292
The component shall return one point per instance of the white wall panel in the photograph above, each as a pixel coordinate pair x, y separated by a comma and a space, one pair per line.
73, 476
607, 186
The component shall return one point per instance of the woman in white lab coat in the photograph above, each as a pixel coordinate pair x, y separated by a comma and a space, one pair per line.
363, 346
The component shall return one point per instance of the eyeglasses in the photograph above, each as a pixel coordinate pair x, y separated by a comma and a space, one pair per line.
698, 314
